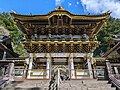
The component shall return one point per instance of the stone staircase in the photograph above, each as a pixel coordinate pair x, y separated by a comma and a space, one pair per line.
65, 85
28, 85
85, 85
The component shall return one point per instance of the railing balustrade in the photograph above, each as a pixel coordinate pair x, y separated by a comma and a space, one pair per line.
84, 73
115, 80
117, 76
42, 73
34, 73
55, 39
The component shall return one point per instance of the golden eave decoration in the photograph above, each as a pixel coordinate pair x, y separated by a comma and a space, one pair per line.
70, 23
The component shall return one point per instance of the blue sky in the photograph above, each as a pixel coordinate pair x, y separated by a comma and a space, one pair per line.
40, 6
74, 6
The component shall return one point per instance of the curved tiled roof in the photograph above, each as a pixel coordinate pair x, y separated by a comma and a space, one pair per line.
61, 10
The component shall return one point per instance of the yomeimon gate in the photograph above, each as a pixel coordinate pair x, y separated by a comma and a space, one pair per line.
61, 40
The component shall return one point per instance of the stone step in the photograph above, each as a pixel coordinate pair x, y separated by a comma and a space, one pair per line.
85, 85
96, 86
36, 88
65, 85
101, 89
79, 88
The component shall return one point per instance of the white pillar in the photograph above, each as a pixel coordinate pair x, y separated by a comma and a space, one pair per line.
116, 70
25, 69
89, 60
108, 66
27, 60
11, 69
58, 80
4, 56
72, 66
48, 66
30, 65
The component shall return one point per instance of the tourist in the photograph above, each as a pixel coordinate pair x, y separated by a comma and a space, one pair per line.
67, 78
61, 76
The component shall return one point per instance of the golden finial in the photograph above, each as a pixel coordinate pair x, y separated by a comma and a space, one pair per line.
60, 8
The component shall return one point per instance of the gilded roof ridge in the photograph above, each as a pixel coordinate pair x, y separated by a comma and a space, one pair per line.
103, 14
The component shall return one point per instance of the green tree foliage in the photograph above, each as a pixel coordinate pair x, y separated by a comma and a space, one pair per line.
113, 27
7, 22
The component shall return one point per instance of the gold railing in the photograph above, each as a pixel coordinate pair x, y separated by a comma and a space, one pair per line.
21, 73
84, 73
58, 39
